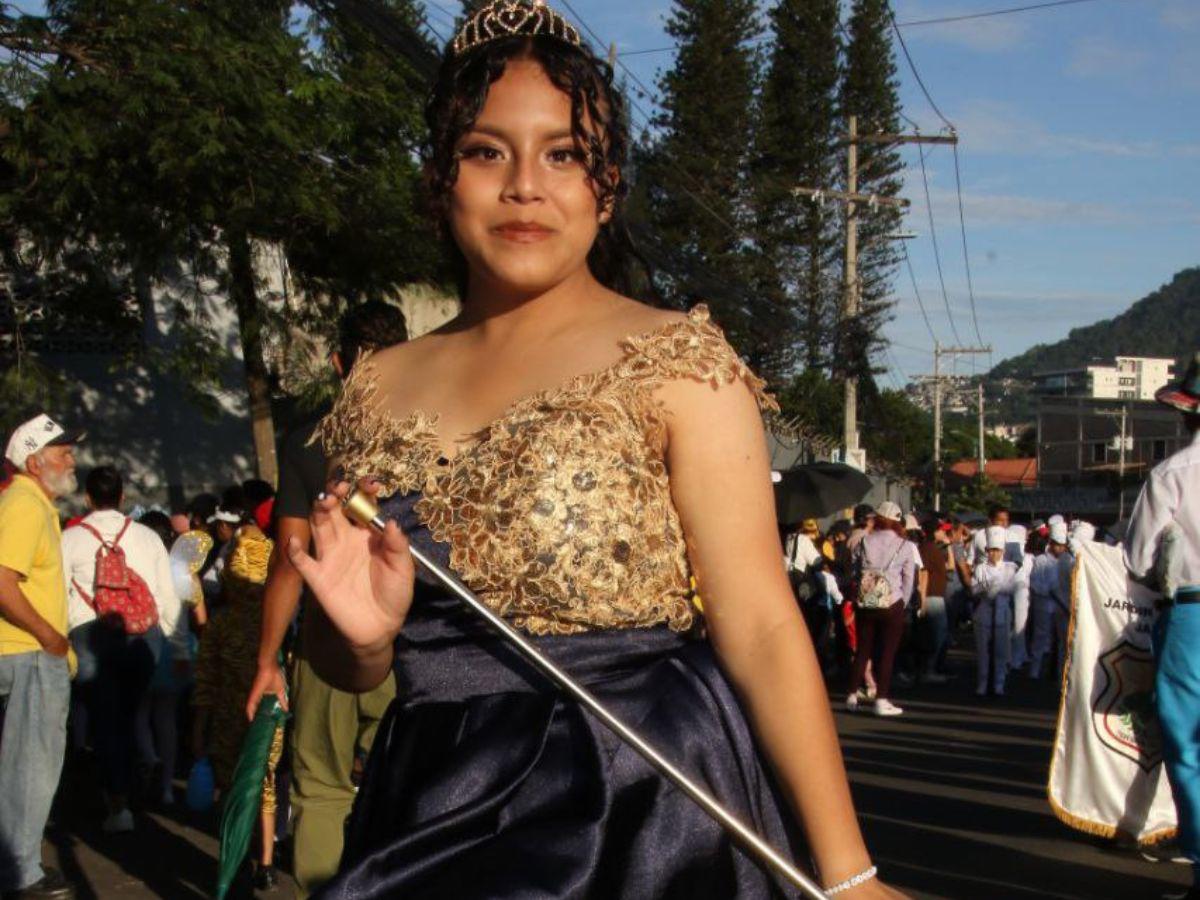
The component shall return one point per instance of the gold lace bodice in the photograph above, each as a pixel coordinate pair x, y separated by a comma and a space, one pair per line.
559, 514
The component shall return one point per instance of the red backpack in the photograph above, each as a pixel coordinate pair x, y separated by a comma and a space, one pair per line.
121, 596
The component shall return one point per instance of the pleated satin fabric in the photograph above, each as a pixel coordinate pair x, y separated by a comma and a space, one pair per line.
484, 781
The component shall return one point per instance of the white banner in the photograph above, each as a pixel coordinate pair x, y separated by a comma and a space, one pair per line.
1106, 772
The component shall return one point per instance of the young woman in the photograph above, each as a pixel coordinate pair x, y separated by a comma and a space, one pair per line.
575, 456
886, 550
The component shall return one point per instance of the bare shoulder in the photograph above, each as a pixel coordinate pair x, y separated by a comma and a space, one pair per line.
400, 369
632, 317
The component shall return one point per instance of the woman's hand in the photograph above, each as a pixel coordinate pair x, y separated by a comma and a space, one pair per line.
362, 579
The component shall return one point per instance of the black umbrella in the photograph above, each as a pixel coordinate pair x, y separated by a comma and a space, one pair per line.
816, 490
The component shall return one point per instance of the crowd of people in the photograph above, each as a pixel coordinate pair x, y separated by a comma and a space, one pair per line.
884, 593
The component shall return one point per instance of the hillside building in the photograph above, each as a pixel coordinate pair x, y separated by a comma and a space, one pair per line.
1131, 378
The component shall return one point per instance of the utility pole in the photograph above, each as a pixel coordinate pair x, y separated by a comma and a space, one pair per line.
982, 452
850, 304
937, 426
938, 352
852, 289
1123, 418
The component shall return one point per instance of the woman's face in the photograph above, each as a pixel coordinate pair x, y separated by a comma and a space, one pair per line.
523, 210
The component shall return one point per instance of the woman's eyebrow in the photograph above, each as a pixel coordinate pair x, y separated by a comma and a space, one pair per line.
503, 135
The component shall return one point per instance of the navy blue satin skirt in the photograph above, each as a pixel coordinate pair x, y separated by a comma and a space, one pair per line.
485, 782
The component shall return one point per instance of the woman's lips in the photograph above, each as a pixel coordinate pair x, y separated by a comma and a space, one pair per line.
522, 233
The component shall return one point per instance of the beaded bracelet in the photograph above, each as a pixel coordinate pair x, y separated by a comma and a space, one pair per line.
852, 882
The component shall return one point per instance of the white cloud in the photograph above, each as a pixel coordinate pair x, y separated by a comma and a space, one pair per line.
1180, 14
994, 127
983, 210
1105, 57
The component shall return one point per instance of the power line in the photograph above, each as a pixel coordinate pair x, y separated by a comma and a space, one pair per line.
917, 293
962, 223
937, 256
913, 66
990, 13
918, 22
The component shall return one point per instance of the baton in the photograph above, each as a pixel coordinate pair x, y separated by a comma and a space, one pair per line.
361, 508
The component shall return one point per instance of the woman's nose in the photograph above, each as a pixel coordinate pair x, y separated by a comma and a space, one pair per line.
524, 185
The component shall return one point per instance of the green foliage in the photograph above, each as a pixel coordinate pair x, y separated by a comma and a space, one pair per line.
895, 431
693, 178
978, 495
814, 400
870, 92
799, 241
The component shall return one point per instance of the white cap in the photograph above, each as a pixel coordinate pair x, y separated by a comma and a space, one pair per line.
1058, 533
1017, 534
889, 510
911, 523
1084, 531
36, 434
1056, 519
997, 537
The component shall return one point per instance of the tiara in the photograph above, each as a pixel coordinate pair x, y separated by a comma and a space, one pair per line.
505, 18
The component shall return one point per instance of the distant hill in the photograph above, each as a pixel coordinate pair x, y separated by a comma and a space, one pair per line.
1164, 323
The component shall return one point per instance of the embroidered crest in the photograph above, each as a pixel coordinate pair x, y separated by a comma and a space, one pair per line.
1123, 712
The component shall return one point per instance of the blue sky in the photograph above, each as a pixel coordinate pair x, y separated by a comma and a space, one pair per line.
1079, 150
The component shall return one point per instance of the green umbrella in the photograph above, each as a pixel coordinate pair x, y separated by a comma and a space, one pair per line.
244, 796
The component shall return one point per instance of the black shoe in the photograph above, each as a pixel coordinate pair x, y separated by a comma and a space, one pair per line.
51, 886
1191, 894
265, 878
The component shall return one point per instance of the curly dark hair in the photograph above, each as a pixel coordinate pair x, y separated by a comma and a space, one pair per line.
458, 97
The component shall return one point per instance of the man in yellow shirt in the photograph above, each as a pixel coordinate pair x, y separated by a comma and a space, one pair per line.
34, 678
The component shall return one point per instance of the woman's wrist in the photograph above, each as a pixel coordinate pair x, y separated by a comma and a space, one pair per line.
849, 884
834, 873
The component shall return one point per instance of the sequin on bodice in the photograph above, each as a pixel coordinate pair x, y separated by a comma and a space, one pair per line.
559, 513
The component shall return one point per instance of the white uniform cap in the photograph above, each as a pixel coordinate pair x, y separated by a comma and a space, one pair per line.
1017, 534
997, 537
1084, 531
1058, 533
1056, 520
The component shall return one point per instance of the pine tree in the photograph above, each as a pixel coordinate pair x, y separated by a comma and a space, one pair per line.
798, 240
693, 178
870, 92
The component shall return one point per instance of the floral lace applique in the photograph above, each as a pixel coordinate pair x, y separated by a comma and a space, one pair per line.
560, 515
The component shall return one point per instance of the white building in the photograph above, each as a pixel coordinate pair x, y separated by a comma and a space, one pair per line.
1131, 378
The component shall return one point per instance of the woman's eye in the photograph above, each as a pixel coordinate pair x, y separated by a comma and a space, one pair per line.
565, 155
480, 151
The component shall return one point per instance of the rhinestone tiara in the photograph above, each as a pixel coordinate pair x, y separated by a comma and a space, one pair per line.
506, 18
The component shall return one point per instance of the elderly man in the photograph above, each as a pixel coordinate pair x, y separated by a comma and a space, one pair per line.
1163, 546
34, 673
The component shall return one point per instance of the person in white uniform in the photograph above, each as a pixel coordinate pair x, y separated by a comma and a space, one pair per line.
1163, 549
1050, 607
992, 585
1014, 551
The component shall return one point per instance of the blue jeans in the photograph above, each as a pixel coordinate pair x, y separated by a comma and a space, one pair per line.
1177, 693
936, 621
114, 674
36, 689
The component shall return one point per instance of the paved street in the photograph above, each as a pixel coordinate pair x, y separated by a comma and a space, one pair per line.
952, 795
